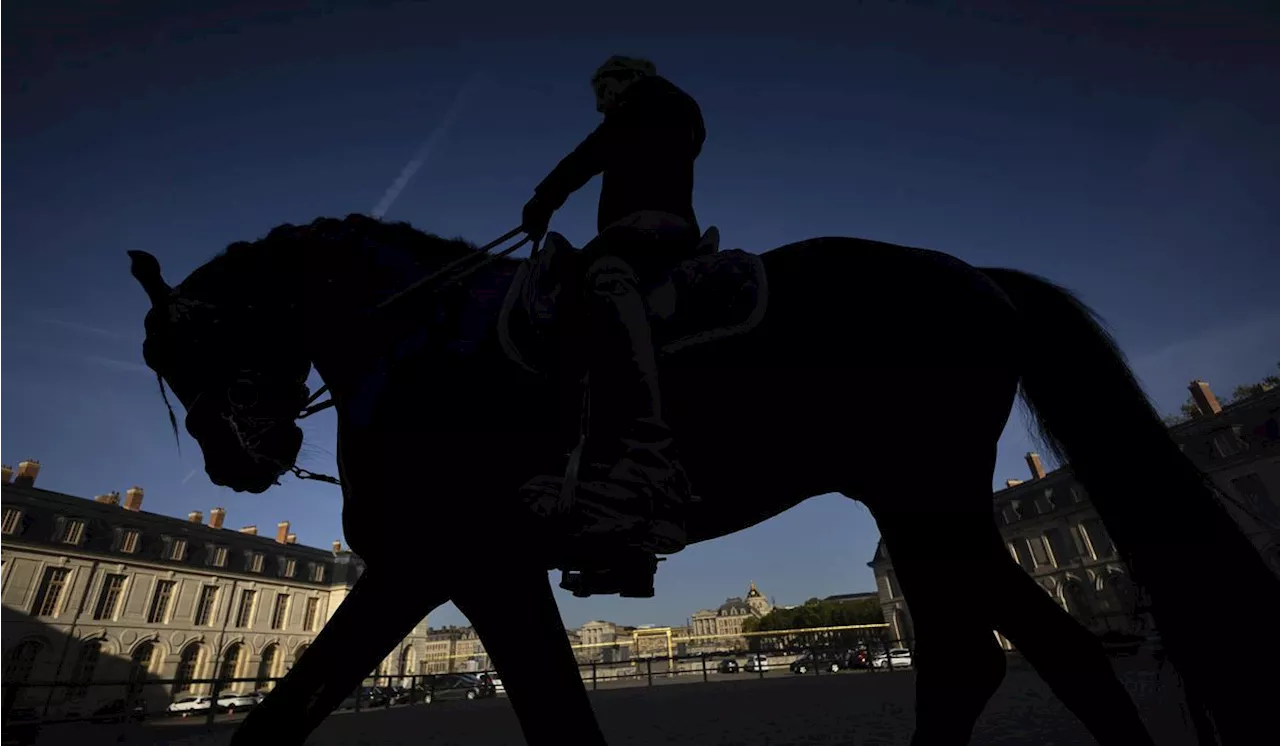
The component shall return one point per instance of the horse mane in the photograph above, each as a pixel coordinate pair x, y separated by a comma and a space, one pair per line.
276, 253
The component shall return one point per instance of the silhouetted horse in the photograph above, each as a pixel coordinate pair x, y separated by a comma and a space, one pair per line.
881, 372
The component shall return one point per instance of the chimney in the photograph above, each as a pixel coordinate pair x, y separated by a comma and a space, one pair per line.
216, 517
195, 516
1012, 483
27, 473
291, 539
1037, 468
133, 499
111, 498
1201, 394
337, 547
6, 473
250, 530
282, 532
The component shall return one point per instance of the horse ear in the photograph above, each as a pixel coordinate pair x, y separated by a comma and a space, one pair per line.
146, 270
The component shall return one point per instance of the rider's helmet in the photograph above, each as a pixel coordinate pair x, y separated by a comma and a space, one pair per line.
615, 76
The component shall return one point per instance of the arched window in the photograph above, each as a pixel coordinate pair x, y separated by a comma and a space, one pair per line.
188, 665
22, 660
297, 655
1077, 603
267, 668
86, 666
406, 662
140, 661
229, 667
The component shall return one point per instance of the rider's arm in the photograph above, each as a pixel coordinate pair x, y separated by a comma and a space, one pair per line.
577, 168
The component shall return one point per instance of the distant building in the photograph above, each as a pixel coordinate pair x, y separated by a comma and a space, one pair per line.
97, 590
721, 628
1053, 531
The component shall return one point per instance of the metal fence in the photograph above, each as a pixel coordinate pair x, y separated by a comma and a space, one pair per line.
29, 703
115, 701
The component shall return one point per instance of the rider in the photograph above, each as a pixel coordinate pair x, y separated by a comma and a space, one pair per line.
645, 149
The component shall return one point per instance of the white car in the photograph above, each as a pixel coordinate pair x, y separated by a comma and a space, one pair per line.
897, 658
238, 701
190, 704
757, 663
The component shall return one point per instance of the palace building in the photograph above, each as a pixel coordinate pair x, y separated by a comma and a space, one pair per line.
101, 590
1052, 530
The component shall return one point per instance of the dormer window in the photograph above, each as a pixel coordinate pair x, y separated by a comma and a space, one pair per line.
12, 521
72, 531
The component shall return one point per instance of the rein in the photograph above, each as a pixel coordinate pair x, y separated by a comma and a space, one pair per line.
486, 259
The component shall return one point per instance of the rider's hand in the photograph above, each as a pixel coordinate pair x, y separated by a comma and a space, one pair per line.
535, 218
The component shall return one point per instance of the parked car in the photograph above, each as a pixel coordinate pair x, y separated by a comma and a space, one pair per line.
119, 711
368, 697
189, 705
819, 660
229, 700
897, 658
728, 665
758, 663
456, 686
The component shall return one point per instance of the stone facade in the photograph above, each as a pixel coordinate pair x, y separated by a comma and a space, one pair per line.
721, 628
1052, 530
98, 591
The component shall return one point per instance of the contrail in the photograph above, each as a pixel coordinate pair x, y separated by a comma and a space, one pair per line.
189, 475
420, 157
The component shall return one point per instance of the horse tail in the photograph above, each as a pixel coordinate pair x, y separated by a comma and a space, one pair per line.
1197, 567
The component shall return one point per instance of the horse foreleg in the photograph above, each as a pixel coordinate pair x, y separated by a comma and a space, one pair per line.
369, 623
532, 655
958, 664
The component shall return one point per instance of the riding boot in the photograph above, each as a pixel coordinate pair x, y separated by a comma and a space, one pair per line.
625, 485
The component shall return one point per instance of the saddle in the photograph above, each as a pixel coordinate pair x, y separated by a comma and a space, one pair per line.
707, 296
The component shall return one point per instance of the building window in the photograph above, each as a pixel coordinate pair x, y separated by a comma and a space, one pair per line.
309, 617
255, 561
244, 615
12, 518
187, 666
230, 667
22, 660
109, 598
1060, 550
72, 532
317, 572
288, 567
267, 668
177, 549
1253, 492
218, 556
1038, 554
159, 611
141, 660
129, 542
86, 666
204, 607
49, 595
280, 614
1100, 546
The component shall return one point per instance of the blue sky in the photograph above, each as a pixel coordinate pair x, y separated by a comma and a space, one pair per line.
1129, 155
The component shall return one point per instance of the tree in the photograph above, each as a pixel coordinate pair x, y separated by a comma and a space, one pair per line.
1244, 391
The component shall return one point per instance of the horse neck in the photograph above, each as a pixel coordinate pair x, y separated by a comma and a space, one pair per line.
343, 284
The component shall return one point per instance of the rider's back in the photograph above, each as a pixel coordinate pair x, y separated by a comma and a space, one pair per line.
647, 147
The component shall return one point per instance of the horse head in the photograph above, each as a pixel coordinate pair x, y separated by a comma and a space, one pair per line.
225, 342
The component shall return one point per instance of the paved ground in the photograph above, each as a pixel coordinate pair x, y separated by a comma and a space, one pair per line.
849, 708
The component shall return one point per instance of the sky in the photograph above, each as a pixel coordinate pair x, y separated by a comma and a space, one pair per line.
1127, 154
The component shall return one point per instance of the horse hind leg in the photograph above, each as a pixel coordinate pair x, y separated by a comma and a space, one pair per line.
1065, 654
